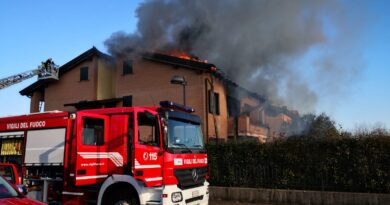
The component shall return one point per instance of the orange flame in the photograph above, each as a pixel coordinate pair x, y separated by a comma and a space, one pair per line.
184, 55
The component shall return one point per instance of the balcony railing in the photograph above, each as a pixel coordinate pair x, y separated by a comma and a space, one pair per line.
247, 129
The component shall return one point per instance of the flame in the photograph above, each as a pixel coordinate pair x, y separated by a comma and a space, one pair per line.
181, 54
184, 55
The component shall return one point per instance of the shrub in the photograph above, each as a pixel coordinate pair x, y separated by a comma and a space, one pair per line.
332, 164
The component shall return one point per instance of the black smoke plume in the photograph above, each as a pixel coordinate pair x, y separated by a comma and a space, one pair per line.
286, 50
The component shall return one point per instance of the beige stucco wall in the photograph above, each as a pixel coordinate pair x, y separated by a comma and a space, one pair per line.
69, 88
35, 99
245, 128
219, 129
249, 124
150, 83
278, 124
106, 80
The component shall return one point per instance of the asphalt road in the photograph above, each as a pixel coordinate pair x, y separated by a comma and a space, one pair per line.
231, 203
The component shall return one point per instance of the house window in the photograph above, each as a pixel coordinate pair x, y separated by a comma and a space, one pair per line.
127, 101
93, 132
127, 67
41, 106
247, 109
261, 122
214, 102
233, 106
83, 73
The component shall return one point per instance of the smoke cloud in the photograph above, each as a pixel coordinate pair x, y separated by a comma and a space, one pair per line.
284, 50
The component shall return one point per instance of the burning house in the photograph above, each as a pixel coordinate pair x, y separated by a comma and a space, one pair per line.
95, 80
253, 45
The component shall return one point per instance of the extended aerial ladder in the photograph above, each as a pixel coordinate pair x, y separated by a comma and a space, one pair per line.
47, 70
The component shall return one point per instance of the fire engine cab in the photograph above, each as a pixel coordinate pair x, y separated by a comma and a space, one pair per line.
126, 155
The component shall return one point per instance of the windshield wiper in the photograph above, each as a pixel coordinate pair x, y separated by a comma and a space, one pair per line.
183, 146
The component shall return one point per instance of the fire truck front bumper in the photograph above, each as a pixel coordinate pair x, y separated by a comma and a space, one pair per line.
172, 195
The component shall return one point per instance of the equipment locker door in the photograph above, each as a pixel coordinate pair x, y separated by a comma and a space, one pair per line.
148, 155
92, 146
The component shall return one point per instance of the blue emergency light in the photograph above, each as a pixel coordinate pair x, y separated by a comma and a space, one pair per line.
176, 106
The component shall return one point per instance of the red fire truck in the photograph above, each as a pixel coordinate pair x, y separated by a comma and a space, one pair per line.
126, 155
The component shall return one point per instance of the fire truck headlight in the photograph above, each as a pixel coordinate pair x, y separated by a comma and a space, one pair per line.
177, 197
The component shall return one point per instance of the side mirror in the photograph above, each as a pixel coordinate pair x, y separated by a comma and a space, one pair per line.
22, 188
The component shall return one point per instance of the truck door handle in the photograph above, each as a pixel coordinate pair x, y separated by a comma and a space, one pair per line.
81, 171
160, 153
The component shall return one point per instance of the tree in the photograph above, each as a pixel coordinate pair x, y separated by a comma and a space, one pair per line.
322, 127
307, 120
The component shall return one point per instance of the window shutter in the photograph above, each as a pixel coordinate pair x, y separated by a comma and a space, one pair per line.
214, 102
127, 101
83, 73
127, 67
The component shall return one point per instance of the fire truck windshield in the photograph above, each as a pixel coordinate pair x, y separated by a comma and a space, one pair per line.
184, 134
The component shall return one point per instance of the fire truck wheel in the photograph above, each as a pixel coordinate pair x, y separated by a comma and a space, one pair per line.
122, 197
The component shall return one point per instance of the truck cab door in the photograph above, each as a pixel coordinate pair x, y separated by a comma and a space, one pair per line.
92, 145
148, 158
10, 172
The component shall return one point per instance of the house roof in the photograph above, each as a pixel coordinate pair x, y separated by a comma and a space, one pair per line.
234, 87
156, 57
65, 68
180, 62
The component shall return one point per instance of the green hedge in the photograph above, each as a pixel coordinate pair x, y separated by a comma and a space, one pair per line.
347, 164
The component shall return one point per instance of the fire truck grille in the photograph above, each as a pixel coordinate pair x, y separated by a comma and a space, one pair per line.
187, 178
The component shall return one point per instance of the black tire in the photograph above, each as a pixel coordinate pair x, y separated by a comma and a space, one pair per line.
121, 197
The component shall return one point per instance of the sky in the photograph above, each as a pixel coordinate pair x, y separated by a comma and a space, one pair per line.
32, 31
